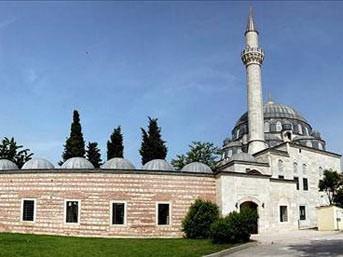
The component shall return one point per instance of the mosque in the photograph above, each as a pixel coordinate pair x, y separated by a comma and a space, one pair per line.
272, 162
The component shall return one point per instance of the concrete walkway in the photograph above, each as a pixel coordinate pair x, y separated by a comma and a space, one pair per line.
308, 243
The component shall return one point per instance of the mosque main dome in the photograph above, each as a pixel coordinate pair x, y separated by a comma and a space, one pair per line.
282, 123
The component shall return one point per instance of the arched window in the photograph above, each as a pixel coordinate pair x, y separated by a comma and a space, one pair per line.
321, 171
266, 127
280, 166
295, 168
308, 143
320, 146
304, 169
300, 129
237, 133
229, 154
306, 131
278, 126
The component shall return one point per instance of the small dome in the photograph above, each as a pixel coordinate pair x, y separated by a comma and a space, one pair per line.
77, 163
7, 165
197, 167
118, 164
243, 157
38, 164
158, 164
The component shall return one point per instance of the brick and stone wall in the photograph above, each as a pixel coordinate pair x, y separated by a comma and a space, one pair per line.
96, 190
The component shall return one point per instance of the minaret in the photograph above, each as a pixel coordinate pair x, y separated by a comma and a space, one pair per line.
252, 57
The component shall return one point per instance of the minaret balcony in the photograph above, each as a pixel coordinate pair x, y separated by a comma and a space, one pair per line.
252, 55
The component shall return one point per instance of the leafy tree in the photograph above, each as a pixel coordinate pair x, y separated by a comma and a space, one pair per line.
11, 151
93, 154
199, 218
75, 144
339, 198
330, 184
115, 146
153, 147
204, 152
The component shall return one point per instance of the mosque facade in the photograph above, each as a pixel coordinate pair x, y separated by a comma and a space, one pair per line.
272, 162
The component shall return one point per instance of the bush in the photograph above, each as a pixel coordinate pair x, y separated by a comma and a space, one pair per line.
199, 218
235, 227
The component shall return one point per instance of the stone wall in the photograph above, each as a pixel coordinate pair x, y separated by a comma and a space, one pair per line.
95, 190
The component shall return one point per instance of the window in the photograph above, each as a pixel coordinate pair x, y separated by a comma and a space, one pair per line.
278, 126
28, 210
304, 169
237, 133
297, 182
295, 168
72, 211
266, 127
283, 213
305, 184
302, 212
321, 171
163, 214
280, 166
306, 131
281, 177
300, 129
320, 146
118, 213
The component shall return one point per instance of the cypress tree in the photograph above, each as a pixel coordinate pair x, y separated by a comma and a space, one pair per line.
115, 146
75, 144
153, 147
93, 154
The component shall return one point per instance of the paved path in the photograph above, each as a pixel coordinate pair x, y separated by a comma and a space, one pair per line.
305, 243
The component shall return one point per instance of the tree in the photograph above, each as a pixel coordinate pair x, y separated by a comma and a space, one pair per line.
11, 151
330, 184
199, 218
115, 146
93, 154
204, 152
75, 144
153, 147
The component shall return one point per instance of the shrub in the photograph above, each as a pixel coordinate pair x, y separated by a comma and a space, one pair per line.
199, 218
235, 227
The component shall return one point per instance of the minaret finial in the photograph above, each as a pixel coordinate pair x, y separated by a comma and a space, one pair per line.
270, 98
251, 24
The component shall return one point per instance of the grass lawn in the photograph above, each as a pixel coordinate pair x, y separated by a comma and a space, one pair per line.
18, 245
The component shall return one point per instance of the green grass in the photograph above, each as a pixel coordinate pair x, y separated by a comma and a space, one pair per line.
19, 245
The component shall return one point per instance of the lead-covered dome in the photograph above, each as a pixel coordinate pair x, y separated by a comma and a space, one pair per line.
38, 163
197, 167
7, 165
282, 123
158, 164
77, 163
118, 163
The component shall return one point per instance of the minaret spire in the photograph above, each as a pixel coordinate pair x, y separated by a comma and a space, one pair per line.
251, 23
252, 57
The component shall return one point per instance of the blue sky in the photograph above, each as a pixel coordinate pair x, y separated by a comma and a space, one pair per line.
120, 62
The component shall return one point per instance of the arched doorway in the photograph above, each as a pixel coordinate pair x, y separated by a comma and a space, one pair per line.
253, 206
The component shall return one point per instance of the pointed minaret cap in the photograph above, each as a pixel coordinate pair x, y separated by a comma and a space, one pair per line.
251, 24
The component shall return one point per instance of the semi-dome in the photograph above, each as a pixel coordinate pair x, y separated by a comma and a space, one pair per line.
246, 157
7, 165
158, 164
38, 163
197, 167
77, 163
118, 163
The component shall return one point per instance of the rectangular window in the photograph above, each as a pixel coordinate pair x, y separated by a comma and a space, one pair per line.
118, 213
305, 184
297, 182
163, 214
302, 212
72, 211
283, 214
28, 210
281, 177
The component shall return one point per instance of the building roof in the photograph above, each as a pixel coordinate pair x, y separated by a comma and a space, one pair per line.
37, 163
77, 163
118, 163
197, 167
158, 164
7, 165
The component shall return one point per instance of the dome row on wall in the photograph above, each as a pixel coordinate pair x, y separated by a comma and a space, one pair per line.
114, 163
